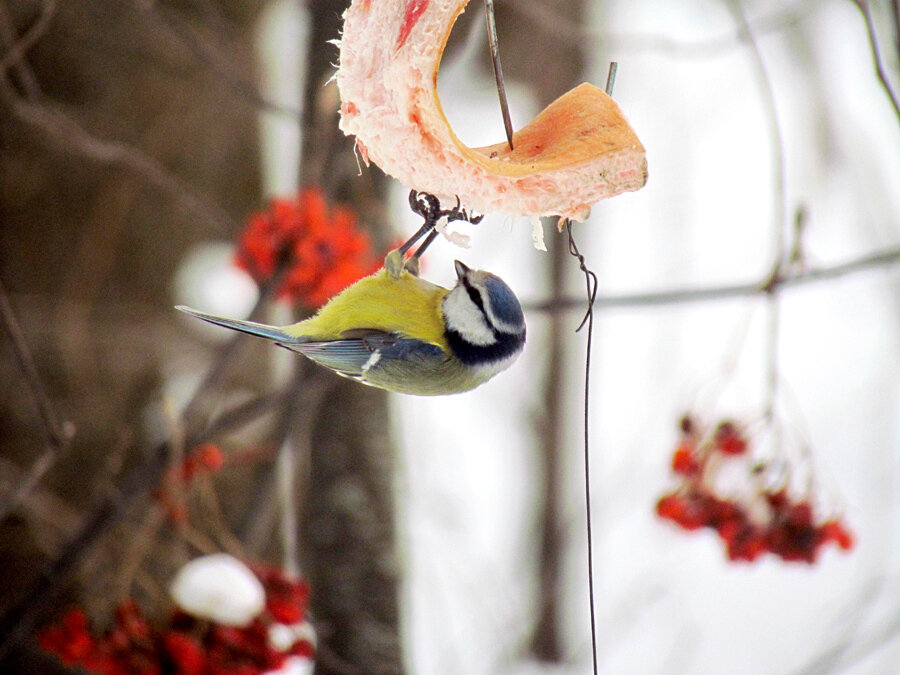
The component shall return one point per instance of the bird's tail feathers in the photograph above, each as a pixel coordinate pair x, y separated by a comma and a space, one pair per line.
249, 327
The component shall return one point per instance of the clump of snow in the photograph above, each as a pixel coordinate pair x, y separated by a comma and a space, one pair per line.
283, 636
294, 665
220, 588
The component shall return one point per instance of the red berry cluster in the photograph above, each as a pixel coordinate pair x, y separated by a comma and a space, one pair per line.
185, 645
286, 600
772, 523
314, 251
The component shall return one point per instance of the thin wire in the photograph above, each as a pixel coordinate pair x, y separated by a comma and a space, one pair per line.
611, 77
591, 286
494, 44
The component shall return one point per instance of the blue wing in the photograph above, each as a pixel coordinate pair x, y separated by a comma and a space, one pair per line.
360, 351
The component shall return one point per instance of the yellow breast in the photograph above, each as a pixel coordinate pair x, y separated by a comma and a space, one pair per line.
409, 305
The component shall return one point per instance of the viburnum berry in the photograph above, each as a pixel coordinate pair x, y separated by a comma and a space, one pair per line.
186, 645
130, 620
762, 520
186, 653
312, 250
284, 611
684, 461
70, 640
302, 648
777, 500
683, 511
729, 440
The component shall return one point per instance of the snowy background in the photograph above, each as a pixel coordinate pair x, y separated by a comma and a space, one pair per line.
668, 601
148, 131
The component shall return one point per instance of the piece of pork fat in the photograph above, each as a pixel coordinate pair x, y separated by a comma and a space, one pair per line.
579, 150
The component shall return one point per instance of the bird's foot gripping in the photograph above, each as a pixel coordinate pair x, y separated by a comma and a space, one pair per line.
429, 207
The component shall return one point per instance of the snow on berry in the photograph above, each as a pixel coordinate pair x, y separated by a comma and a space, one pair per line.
195, 644
219, 587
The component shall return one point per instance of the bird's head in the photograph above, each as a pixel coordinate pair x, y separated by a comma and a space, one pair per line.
483, 320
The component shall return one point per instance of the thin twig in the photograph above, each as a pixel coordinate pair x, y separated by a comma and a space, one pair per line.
779, 217
16, 53
880, 70
66, 133
209, 56
218, 369
57, 433
19, 619
783, 280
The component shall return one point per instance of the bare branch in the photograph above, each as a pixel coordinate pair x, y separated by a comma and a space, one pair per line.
783, 280
880, 70
554, 23
16, 53
208, 55
19, 619
69, 135
57, 433
779, 190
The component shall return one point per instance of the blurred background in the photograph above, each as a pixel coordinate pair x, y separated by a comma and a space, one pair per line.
448, 535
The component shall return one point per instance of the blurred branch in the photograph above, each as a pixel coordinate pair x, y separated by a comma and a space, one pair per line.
895, 22
55, 516
782, 279
555, 23
219, 368
880, 70
19, 619
68, 134
56, 432
206, 53
547, 643
15, 55
779, 201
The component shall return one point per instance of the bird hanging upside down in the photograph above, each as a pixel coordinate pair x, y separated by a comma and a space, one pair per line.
398, 332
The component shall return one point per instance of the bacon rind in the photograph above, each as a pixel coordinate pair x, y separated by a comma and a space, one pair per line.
579, 150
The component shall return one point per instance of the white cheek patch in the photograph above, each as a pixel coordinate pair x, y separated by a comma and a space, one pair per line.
461, 315
501, 325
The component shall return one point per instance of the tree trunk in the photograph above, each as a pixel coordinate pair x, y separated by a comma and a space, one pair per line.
347, 531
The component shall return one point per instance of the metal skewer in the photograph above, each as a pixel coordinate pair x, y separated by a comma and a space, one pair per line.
498, 70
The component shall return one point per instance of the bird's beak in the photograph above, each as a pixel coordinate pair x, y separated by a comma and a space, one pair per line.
461, 270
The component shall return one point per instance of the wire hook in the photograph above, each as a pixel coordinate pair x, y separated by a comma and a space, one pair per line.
498, 69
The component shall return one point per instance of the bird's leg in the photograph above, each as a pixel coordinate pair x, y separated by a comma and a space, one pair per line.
412, 264
429, 207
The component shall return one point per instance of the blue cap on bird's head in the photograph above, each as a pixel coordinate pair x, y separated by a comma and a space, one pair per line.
500, 303
504, 304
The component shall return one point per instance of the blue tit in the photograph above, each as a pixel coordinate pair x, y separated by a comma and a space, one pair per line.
401, 333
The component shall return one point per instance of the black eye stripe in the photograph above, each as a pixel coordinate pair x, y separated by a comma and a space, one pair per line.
475, 297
